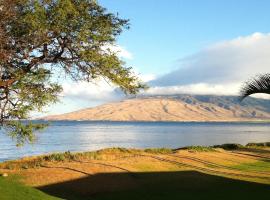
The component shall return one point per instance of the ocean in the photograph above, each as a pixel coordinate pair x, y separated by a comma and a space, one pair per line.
77, 136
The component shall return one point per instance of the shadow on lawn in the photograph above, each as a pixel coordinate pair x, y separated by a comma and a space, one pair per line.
156, 186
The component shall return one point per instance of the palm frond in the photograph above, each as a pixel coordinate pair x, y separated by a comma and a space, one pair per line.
259, 84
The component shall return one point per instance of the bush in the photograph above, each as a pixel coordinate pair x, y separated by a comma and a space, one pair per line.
114, 150
159, 150
260, 144
229, 146
60, 156
199, 148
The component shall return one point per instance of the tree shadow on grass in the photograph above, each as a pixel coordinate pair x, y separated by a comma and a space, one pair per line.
157, 186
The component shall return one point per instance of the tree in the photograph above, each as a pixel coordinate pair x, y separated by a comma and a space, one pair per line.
259, 84
41, 38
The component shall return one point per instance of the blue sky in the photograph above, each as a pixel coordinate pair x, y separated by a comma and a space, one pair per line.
191, 46
164, 31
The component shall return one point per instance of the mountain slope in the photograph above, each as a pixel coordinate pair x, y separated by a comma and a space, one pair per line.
175, 108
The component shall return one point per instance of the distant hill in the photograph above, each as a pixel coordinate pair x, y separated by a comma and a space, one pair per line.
175, 108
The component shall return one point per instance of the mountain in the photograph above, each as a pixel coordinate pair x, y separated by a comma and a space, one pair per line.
175, 108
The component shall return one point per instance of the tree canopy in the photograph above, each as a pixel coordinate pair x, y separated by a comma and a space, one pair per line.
39, 37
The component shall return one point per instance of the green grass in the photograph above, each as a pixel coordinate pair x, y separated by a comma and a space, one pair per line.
256, 166
11, 189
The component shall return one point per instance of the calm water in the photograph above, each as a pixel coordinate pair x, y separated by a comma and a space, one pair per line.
85, 136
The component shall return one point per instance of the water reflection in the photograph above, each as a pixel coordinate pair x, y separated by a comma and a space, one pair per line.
86, 136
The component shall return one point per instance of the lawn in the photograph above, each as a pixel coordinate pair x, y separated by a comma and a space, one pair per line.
158, 174
12, 189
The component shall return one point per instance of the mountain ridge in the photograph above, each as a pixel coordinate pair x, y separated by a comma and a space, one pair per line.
180, 107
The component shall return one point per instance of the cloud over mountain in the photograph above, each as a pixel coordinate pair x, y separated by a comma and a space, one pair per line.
217, 69
221, 67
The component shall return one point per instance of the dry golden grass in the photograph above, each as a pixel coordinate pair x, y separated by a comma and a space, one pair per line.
40, 171
119, 173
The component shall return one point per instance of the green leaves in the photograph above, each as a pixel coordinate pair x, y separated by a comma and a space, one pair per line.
259, 84
23, 132
33, 91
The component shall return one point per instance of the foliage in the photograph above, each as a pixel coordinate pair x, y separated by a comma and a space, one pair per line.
199, 148
159, 150
115, 150
259, 84
60, 156
22, 131
45, 40
259, 144
229, 146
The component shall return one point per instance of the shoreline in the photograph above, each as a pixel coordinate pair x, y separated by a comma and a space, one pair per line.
142, 121
226, 146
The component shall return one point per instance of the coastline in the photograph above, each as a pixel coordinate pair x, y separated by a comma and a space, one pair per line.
195, 148
157, 121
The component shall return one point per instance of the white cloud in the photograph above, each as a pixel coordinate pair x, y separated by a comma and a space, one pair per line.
119, 50
99, 91
199, 88
147, 77
220, 68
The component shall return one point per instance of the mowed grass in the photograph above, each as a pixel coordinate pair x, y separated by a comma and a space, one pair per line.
158, 174
12, 189
255, 166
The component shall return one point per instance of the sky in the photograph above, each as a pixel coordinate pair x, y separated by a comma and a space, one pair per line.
183, 46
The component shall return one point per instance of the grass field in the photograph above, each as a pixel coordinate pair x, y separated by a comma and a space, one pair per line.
159, 174
10, 188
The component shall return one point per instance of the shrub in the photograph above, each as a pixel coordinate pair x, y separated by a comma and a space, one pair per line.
159, 150
60, 156
260, 144
199, 148
231, 146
